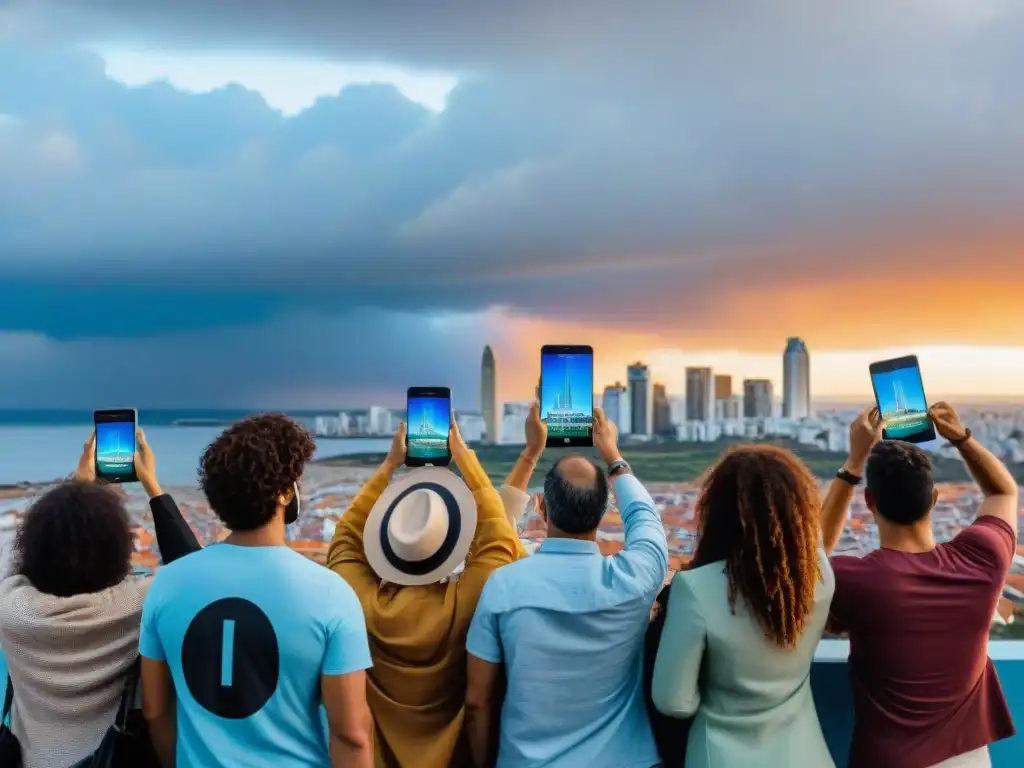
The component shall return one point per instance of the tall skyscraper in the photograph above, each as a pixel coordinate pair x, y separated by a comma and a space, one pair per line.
757, 398
700, 394
489, 397
615, 402
662, 411
723, 386
796, 380
641, 402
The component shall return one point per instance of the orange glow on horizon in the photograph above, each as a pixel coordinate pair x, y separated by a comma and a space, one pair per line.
949, 370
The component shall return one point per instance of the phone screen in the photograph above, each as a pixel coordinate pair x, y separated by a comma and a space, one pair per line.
115, 445
567, 394
899, 392
428, 420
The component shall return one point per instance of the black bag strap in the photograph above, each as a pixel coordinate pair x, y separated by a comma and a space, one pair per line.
8, 700
128, 694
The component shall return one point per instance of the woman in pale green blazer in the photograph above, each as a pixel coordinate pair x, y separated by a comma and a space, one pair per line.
743, 622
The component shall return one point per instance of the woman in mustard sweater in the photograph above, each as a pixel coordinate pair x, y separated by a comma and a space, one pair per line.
417, 623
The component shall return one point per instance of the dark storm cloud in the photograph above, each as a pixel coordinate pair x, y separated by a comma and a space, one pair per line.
303, 360
647, 155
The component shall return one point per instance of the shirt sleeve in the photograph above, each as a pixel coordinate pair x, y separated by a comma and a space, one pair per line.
150, 644
347, 648
675, 690
515, 502
840, 613
646, 549
483, 639
987, 542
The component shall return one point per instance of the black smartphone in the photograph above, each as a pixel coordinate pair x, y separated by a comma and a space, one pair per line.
115, 444
899, 393
567, 394
428, 421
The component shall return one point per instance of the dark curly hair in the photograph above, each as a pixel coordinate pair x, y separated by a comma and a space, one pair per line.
758, 511
75, 539
253, 462
899, 482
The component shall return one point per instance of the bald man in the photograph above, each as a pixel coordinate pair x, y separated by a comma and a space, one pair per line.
567, 628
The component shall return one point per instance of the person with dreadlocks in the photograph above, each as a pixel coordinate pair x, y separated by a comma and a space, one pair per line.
743, 622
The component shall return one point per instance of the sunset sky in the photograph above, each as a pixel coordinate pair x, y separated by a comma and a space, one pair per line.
235, 204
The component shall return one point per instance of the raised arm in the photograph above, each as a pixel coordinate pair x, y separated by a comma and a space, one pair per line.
514, 491
345, 555
495, 542
646, 548
991, 475
674, 689
174, 537
865, 432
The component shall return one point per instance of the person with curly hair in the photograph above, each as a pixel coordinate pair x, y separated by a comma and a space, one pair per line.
743, 622
70, 612
242, 642
918, 612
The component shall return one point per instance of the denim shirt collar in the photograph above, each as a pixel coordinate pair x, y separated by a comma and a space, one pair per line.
568, 547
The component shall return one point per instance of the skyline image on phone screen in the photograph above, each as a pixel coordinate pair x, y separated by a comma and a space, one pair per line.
428, 424
115, 445
899, 392
567, 394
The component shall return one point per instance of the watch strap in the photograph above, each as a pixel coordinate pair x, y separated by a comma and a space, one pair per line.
962, 439
848, 477
616, 467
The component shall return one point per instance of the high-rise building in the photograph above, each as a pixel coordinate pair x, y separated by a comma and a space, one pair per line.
700, 394
489, 397
615, 403
796, 380
723, 386
729, 408
662, 412
758, 395
641, 402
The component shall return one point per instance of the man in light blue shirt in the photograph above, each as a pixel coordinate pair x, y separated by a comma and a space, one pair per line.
568, 626
243, 641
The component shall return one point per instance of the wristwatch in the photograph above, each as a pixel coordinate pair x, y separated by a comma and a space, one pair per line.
963, 438
848, 477
617, 467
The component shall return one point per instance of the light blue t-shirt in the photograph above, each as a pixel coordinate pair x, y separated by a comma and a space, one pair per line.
568, 625
247, 632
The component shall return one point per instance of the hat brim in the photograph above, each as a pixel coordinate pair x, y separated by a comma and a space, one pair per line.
461, 528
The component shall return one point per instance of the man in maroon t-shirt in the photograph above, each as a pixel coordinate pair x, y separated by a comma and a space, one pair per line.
918, 613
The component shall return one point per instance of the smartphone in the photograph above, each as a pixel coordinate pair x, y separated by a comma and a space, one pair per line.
428, 421
899, 393
567, 394
115, 444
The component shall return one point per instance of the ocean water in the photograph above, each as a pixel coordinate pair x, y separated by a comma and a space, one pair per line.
40, 446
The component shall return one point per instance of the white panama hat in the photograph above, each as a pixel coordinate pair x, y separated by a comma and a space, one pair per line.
421, 527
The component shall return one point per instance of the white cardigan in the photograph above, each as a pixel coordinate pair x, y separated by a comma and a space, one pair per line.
67, 658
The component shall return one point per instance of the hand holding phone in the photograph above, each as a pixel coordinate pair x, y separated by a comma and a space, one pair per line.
536, 432
85, 472
115, 445
428, 424
899, 393
606, 437
947, 421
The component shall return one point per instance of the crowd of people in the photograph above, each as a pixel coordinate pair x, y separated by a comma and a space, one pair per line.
432, 639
